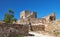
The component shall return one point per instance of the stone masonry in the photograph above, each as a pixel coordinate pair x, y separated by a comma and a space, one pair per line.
27, 17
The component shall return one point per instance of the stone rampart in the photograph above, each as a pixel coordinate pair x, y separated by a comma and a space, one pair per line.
13, 29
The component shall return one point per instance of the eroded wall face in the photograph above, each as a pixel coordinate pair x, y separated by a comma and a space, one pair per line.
50, 18
33, 15
38, 28
22, 15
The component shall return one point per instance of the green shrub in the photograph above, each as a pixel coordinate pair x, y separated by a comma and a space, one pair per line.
49, 32
19, 36
56, 33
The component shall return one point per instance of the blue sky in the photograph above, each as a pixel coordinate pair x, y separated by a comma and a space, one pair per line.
42, 7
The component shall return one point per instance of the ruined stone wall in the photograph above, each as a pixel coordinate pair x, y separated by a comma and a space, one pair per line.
12, 30
38, 20
49, 27
38, 28
50, 17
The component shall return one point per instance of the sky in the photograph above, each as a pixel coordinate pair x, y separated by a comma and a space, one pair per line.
41, 7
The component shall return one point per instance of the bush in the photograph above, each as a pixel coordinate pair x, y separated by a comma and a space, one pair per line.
19, 36
56, 33
50, 32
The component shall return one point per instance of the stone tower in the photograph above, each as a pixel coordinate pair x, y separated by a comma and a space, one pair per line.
25, 15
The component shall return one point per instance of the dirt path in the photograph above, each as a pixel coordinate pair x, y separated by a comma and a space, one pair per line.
38, 35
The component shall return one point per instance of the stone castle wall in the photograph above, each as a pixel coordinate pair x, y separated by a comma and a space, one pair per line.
38, 28
50, 17
13, 29
30, 17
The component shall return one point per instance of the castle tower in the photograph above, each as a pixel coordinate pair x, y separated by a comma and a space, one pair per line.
25, 15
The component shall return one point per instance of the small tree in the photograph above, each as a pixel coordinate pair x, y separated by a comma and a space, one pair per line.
9, 17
